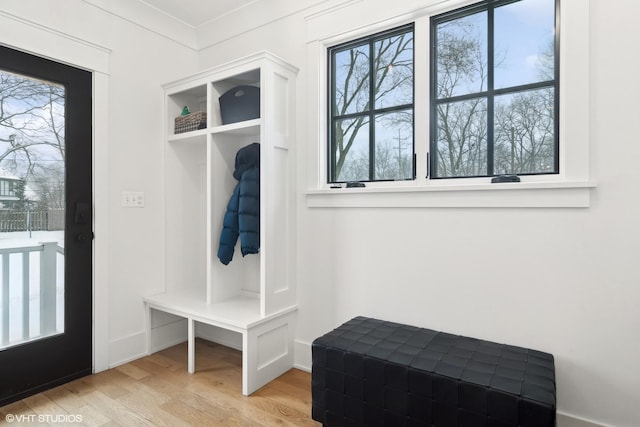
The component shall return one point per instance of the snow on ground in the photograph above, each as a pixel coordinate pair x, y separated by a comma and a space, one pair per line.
17, 239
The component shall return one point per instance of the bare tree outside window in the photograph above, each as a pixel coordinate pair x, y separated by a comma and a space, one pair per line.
461, 135
372, 108
32, 144
525, 125
494, 93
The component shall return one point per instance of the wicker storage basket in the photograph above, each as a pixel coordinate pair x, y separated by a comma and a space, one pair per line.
191, 121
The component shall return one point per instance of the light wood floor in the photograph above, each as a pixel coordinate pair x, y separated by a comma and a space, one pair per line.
157, 391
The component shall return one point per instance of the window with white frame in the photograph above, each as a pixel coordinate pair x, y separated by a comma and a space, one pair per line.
493, 97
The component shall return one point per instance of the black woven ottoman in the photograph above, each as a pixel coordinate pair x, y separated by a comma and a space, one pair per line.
369, 372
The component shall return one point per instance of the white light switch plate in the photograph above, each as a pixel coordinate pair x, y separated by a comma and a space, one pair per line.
133, 199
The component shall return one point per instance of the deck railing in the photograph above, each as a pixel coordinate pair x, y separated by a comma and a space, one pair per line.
22, 281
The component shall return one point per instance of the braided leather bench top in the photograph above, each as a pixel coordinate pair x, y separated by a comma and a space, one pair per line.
372, 372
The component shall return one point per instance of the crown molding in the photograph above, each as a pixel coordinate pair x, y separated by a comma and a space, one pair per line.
151, 19
29, 36
246, 19
243, 19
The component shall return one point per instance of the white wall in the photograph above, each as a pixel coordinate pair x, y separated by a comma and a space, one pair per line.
558, 280
129, 155
140, 62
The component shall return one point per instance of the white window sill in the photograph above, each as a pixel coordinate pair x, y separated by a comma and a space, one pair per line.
553, 194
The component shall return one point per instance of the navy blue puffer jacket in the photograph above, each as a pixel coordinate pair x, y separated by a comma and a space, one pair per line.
242, 217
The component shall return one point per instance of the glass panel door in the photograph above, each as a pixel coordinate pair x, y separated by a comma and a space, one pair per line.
46, 249
32, 202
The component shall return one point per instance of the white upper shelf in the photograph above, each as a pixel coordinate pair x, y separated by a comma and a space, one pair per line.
245, 128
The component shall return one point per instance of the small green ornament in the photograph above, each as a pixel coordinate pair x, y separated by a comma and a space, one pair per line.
185, 110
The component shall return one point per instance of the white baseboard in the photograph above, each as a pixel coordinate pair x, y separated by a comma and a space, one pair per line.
126, 349
302, 355
168, 335
171, 333
134, 346
566, 420
220, 336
